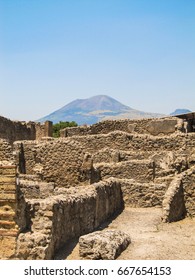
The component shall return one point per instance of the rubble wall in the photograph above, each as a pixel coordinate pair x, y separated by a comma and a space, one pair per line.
6, 151
160, 126
68, 155
55, 160
188, 181
137, 194
141, 170
173, 203
17, 130
66, 215
125, 141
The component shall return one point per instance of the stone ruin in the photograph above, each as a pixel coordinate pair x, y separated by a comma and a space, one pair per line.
104, 245
54, 190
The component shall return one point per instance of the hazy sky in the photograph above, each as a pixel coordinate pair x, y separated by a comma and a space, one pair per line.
140, 52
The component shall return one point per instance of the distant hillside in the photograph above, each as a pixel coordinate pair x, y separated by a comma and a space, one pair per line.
179, 112
95, 109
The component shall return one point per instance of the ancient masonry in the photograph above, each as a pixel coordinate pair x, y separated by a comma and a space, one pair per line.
53, 190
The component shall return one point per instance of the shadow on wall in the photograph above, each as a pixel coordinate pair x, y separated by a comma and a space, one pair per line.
22, 161
68, 247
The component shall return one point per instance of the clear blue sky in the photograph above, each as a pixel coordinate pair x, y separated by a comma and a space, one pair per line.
140, 52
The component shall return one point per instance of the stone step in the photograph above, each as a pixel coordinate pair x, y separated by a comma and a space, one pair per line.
7, 215
7, 180
7, 188
9, 197
7, 224
7, 206
8, 232
8, 170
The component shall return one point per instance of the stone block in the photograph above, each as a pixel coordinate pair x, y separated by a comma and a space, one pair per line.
8, 170
8, 246
7, 188
7, 180
161, 126
106, 245
7, 197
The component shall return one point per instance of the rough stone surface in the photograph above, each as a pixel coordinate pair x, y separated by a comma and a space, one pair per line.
15, 130
105, 245
69, 213
60, 189
162, 126
8, 207
173, 202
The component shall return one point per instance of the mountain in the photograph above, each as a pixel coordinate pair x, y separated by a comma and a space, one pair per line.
180, 112
95, 109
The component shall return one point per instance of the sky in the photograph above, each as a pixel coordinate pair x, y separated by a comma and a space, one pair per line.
141, 53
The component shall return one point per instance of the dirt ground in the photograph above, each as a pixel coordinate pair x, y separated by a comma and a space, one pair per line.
150, 238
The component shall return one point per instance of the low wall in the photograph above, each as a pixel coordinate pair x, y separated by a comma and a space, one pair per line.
179, 199
135, 142
140, 170
160, 126
142, 194
188, 181
173, 203
56, 220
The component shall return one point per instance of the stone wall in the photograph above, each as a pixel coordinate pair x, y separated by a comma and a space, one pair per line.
132, 142
68, 214
161, 126
126, 156
188, 181
6, 151
43, 130
58, 161
140, 170
69, 186
179, 199
17, 130
173, 203
8, 212
137, 194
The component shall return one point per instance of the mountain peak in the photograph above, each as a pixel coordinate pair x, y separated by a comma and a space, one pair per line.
180, 111
96, 103
94, 109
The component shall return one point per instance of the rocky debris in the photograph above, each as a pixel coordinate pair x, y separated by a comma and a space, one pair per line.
106, 245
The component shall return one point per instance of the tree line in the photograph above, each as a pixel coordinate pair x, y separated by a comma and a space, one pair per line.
60, 125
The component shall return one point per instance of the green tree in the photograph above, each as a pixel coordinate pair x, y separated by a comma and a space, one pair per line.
58, 126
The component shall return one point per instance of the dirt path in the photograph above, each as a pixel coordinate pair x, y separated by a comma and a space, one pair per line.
150, 238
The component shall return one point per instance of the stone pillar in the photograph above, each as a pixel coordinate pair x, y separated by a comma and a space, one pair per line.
48, 129
8, 207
